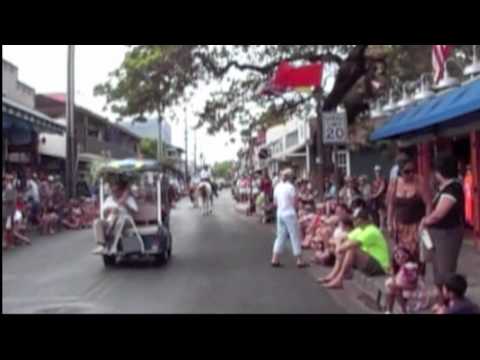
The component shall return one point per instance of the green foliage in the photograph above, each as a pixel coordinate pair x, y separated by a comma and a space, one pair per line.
148, 148
155, 77
223, 169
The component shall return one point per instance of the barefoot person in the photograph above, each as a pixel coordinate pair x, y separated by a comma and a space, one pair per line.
287, 222
365, 249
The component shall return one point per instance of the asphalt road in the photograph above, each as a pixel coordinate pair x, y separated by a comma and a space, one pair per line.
220, 265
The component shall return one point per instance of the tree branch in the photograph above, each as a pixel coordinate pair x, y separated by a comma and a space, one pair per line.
210, 65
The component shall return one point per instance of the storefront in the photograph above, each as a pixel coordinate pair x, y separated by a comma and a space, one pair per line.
20, 133
448, 123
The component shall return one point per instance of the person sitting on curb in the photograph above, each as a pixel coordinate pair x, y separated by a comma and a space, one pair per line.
454, 289
340, 235
366, 249
406, 279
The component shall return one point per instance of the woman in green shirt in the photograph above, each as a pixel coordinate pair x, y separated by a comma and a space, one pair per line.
366, 249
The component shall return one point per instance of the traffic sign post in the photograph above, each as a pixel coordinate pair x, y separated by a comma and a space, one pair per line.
335, 133
335, 128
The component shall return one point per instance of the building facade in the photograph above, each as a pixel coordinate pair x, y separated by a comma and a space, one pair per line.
97, 138
448, 123
289, 146
22, 124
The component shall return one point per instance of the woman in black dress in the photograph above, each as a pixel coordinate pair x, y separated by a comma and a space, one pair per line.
446, 223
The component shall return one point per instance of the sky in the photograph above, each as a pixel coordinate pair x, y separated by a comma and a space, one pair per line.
43, 67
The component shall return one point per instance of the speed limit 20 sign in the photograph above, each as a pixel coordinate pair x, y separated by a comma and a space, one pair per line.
335, 129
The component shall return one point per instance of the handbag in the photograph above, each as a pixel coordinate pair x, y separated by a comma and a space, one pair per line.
426, 247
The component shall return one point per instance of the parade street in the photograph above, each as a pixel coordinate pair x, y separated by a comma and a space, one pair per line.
220, 265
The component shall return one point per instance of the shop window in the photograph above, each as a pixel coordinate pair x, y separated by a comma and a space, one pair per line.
93, 133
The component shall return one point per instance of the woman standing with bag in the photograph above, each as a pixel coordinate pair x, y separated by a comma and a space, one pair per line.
446, 224
409, 202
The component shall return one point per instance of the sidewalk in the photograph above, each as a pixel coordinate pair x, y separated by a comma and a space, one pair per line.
469, 265
372, 291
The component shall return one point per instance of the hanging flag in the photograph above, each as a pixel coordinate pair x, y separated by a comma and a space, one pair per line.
288, 77
440, 55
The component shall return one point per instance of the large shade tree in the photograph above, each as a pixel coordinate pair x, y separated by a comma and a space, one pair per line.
154, 77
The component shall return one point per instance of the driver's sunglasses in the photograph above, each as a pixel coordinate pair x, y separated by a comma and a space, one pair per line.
408, 171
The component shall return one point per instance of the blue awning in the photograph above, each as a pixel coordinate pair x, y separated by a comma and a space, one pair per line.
444, 109
20, 118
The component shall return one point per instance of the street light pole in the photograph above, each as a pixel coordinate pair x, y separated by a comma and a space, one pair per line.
71, 159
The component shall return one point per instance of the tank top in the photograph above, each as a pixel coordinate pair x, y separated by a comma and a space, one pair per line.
409, 210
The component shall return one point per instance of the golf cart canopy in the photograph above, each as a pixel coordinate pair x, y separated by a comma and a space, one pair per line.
129, 166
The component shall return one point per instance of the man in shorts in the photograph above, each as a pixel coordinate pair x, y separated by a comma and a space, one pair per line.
366, 249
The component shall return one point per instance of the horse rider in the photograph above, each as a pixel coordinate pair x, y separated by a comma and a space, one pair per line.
206, 176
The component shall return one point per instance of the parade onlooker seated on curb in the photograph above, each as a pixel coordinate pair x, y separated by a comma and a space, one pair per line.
454, 289
311, 228
20, 222
406, 279
50, 220
340, 235
73, 216
305, 218
330, 223
365, 249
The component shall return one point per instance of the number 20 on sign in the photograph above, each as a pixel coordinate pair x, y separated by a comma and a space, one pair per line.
335, 130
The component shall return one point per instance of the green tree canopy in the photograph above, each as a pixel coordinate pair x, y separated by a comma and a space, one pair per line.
223, 169
155, 77
148, 148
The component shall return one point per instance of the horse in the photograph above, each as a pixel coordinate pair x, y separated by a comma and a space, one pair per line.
205, 194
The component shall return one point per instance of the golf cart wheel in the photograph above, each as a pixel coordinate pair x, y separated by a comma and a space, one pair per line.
161, 259
109, 261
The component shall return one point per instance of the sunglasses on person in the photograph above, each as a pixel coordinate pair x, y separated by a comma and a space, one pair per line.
408, 171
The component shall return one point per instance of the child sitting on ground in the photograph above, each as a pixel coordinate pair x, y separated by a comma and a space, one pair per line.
405, 281
73, 218
19, 223
306, 216
49, 220
313, 226
327, 256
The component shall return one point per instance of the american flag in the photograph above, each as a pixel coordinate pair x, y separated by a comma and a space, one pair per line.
440, 56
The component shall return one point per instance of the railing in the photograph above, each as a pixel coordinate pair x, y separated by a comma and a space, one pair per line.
117, 151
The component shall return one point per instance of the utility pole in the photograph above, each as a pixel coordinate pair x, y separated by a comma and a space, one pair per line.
186, 148
320, 155
195, 152
71, 144
160, 136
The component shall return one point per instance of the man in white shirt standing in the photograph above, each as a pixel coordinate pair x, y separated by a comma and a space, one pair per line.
287, 221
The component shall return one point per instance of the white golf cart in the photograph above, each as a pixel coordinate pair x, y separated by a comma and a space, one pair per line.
147, 233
